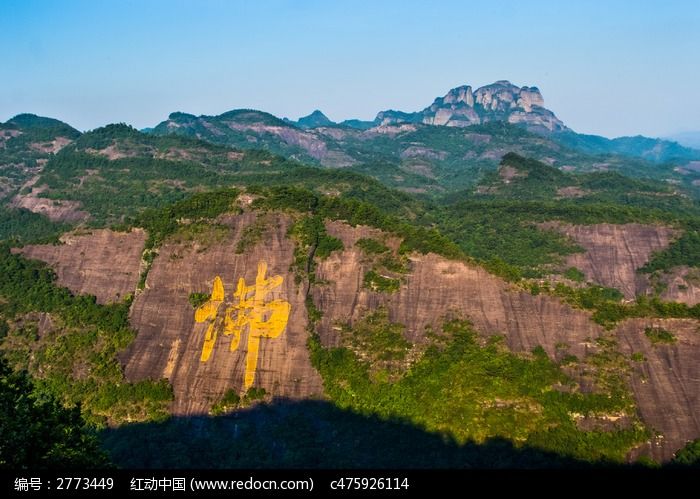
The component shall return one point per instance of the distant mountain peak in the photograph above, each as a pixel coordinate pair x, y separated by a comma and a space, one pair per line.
178, 115
500, 101
314, 120
32, 121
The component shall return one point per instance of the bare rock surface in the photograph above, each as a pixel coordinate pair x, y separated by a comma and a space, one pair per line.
103, 262
436, 288
614, 252
57, 210
666, 385
682, 285
169, 342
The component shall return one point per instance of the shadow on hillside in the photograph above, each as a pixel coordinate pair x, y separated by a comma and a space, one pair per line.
307, 434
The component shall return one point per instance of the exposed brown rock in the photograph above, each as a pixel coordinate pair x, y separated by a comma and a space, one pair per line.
417, 151
43, 321
313, 143
682, 285
502, 100
169, 342
508, 173
55, 209
52, 146
614, 252
114, 151
103, 263
666, 385
437, 287
6, 135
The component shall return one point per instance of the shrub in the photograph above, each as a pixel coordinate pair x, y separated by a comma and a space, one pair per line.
659, 335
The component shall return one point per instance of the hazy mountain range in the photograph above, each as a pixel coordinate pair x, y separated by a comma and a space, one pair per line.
687, 139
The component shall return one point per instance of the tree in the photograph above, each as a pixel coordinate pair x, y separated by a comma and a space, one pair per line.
37, 432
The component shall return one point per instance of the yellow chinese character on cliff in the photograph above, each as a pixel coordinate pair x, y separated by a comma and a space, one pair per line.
263, 319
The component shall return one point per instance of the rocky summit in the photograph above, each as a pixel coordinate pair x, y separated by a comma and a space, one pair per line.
500, 101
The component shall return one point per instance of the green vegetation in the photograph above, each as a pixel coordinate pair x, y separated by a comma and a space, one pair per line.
384, 260
378, 342
608, 306
75, 361
458, 384
689, 455
183, 220
198, 299
312, 310
354, 212
311, 232
371, 246
380, 283
28, 141
313, 242
683, 251
428, 158
232, 400
638, 357
254, 394
38, 432
659, 335
503, 236
252, 234
574, 274
497, 224
201, 232
229, 402
163, 222
22, 226
469, 390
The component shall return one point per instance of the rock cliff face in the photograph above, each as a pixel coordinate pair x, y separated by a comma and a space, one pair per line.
437, 287
103, 263
500, 101
682, 285
169, 342
613, 253
666, 384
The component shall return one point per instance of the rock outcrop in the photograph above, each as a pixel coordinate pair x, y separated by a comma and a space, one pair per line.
103, 262
169, 342
614, 252
436, 288
666, 384
57, 210
682, 284
500, 101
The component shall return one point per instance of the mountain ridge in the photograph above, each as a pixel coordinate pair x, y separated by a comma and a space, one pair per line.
460, 107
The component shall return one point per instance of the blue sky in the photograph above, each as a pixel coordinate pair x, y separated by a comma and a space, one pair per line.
610, 67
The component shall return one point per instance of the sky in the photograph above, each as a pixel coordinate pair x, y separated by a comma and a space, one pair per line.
609, 67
